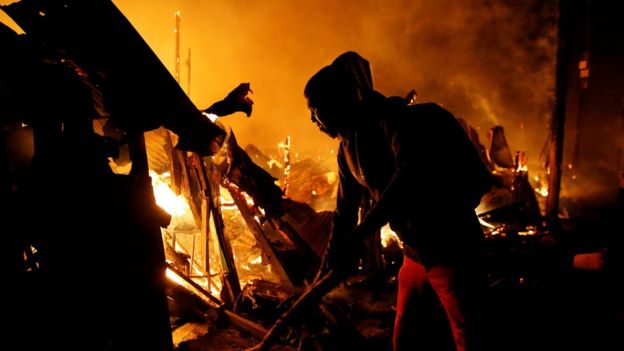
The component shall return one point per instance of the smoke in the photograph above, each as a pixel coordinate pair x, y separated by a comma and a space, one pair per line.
489, 62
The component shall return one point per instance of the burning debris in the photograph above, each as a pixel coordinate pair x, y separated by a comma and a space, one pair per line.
511, 208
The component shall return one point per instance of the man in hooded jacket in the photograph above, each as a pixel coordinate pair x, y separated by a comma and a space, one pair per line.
425, 179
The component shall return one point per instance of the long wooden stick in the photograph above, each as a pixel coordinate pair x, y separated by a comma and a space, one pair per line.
312, 295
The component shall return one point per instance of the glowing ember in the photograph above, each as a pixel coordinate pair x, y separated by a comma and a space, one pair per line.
530, 231
500, 231
541, 187
224, 194
248, 199
285, 150
274, 163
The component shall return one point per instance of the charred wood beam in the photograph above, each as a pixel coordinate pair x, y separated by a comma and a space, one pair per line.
208, 204
210, 189
205, 232
210, 193
555, 154
231, 282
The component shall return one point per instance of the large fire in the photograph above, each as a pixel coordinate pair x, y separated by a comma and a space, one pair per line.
185, 239
541, 187
175, 205
388, 237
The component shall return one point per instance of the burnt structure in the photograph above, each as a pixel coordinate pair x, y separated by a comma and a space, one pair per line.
85, 254
85, 245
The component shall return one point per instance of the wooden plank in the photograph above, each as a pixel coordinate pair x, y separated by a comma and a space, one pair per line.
210, 192
205, 236
557, 122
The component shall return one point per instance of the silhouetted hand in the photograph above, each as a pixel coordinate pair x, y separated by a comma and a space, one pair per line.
236, 101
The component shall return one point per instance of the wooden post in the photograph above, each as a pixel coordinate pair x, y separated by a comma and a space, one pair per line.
231, 285
555, 154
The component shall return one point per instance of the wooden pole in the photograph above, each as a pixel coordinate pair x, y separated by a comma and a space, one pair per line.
555, 154
324, 284
177, 47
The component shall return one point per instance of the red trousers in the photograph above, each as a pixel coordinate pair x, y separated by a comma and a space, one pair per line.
445, 290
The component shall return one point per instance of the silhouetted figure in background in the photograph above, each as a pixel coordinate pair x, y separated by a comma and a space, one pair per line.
425, 179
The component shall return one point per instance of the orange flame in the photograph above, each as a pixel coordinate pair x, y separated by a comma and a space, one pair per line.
388, 236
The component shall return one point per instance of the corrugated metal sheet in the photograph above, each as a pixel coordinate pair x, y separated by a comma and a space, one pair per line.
315, 231
157, 150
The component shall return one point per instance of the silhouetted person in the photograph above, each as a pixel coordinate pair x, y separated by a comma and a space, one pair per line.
425, 178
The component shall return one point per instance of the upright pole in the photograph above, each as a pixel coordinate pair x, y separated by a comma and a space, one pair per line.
177, 47
177, 160
555, 154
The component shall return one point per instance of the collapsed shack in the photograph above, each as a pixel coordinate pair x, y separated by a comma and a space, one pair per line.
83, 89
85, 254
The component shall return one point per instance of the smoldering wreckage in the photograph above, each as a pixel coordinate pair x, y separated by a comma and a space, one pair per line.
89, 249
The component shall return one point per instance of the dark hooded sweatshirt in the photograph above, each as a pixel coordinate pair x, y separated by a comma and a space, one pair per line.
421, 170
